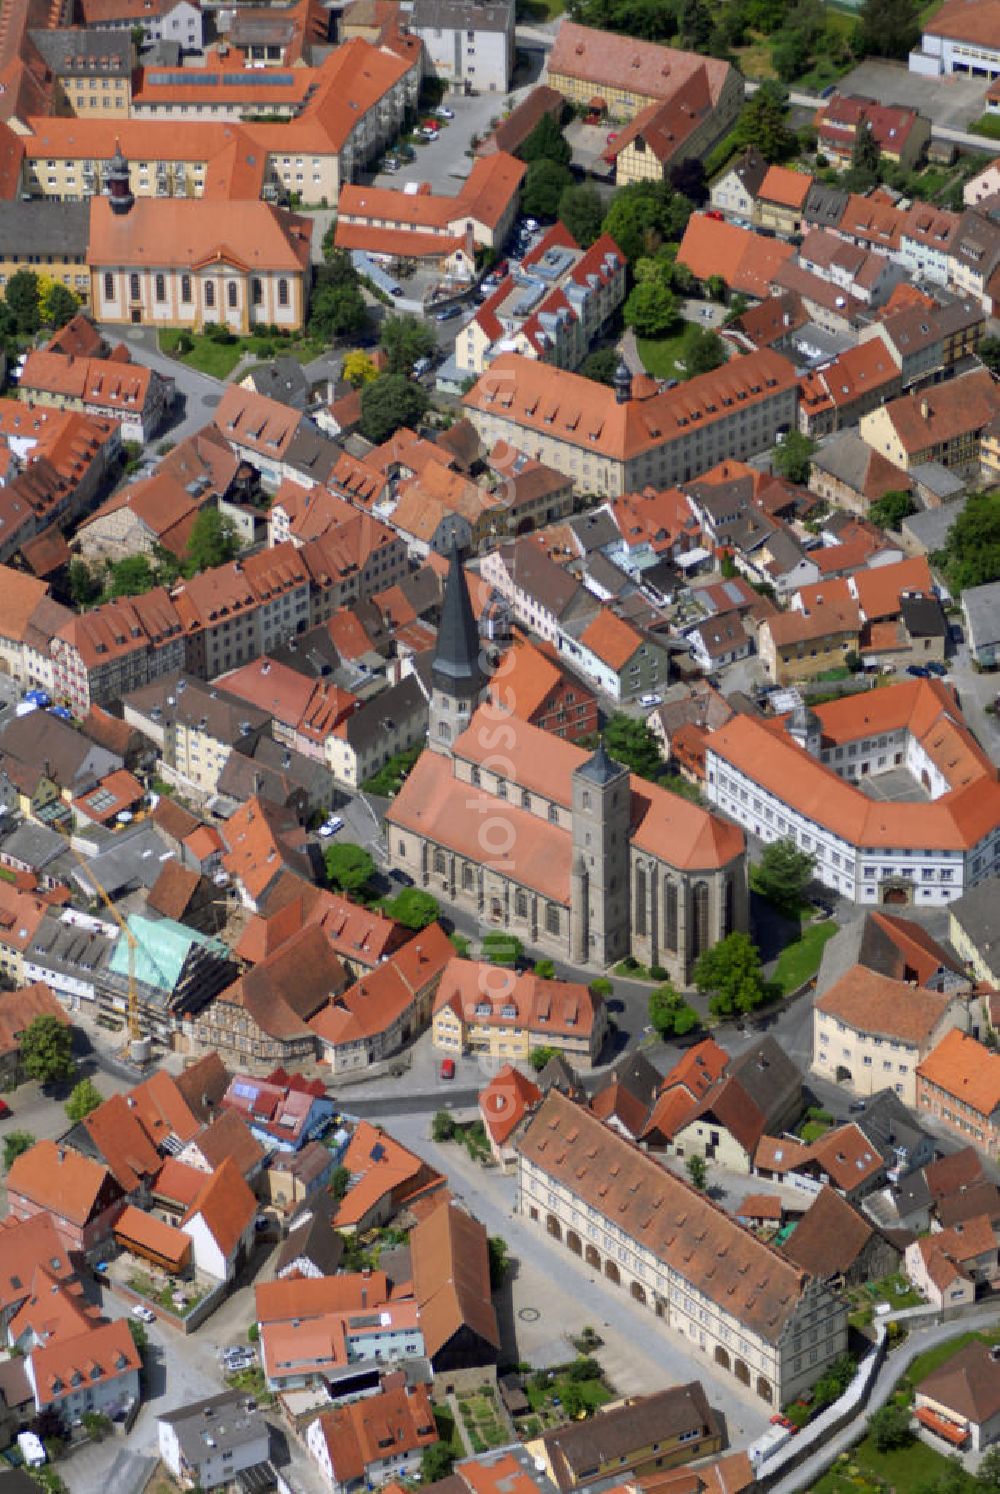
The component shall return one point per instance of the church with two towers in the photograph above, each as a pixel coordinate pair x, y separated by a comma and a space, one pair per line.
562, 847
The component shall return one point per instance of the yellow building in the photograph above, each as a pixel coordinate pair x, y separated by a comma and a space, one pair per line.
799, 645
620, 76
48, 238
495, 1013
186, 264
91, 70
944, 424
972, 930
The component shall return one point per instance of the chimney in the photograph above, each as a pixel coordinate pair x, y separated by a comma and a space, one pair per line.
925, 409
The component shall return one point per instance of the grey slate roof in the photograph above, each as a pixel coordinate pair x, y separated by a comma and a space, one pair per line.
226, 1418
85, 51
283, 379
924, 617
456, 659
825, 206
981, 605
600, 769
44, 227
461, 15
929, 529
978, 913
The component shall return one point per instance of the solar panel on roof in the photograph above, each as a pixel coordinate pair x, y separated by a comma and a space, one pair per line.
196, 79
377, 1152
244, 1091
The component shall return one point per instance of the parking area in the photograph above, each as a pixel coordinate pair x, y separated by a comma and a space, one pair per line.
950, 101
447, 160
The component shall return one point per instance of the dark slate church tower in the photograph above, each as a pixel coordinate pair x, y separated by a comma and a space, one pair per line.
457, 679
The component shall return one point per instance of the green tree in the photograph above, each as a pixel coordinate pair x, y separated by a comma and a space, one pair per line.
697, 1170
866, 157
139, 1335
651, 309
340, 1182
703, 351
15, 1143
403, 340
84, 1097
47, 1050
21, 296
131, 576
388, 403
336, 310
889, 511
695, 25
349, 868
791, 53
889, 1427
436, 1462
763, 123
645, 215
442, 1126
989, 352
8, 329
213, 540
544, 184
413, 908
57, 305
539, 1057
783, 874
84, 586
792, 457
731, 971
670, 1014
988, 1472
499, 1261
887, 28
631, 742
971, 554
546, 143
581, 211
601, 366
687, 176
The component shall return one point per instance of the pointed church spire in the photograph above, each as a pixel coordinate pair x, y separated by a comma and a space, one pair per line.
456, 660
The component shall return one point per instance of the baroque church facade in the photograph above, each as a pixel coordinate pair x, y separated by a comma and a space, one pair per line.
564, 848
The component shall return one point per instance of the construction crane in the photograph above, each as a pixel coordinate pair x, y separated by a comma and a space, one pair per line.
136, 1039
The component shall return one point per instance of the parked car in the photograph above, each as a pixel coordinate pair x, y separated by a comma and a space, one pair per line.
447, 1068
856, 1107
651, 699
936, 667
918, 671
144, 1314
530, 225
443, 113
330, 827
447, 313
718, 217
390, 164
38, 698
61, 712
5, 1110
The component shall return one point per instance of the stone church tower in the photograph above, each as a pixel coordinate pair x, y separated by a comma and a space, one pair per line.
599, 878
457, 679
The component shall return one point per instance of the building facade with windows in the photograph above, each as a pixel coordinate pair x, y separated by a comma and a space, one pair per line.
729, 1296
798, 777
173, 263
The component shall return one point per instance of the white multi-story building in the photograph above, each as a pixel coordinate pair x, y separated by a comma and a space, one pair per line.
469, 46
207, 1444
800, 778
961, 38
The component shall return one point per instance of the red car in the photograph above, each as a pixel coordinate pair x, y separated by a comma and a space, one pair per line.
717, 217
5, 1110
447, 1068
612, 136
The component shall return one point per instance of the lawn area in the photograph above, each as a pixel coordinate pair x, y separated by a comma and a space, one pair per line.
539, 10
554, 1401
659, 354
798, 962
932, 1359
906, 1469
218, 359
755, 58
447, 1429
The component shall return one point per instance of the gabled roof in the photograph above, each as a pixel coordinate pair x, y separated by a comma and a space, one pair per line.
225, 1205
451, 1276
505, 1102
58, 1179
830, 1236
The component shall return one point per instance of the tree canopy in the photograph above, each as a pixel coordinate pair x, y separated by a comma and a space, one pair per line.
389, 402
47, 1050
582, 212
730, 971
670, 1014
403, 340
349, 868
413, 908
889, 511
15, 1144
543, 186
791, 459
651, 309
213, 540
22, 298
546, 143
84, 1097
645, 215
56, 303
703, 351
971, 554
763, 123
131, 576
890, 1428
631, 742
887, 28
336, 310
783, 874
358, 368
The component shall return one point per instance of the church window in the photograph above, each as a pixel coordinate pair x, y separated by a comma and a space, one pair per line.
521, 904
552, 918
440, 865
553, 815
476, 778
700, 931
525, 798
640, 901
670, 915
468, 876
729, 909
586, 799
501, 788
